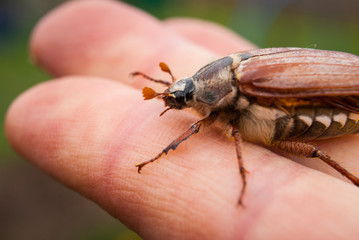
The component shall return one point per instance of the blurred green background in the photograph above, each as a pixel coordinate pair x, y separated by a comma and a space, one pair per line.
34, 206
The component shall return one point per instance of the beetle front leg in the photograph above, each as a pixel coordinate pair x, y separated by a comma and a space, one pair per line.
242, 170
307, 150
173, 145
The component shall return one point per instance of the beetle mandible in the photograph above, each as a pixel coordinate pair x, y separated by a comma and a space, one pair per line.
276, 97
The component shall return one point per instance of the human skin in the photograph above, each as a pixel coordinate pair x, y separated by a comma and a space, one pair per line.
89, 126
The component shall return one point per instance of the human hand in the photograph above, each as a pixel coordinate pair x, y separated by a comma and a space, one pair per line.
89, 132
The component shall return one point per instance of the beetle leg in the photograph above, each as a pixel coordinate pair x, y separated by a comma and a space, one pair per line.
173, 145
242, 170
151, 79
307, 150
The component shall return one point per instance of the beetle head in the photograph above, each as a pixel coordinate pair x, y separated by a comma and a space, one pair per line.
179, 95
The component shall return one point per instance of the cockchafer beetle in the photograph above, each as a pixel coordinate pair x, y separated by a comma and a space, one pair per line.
277, 97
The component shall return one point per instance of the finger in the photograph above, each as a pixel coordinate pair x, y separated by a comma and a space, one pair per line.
89, 133
213, 36
110, 39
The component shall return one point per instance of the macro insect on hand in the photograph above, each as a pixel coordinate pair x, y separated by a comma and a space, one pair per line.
278, 97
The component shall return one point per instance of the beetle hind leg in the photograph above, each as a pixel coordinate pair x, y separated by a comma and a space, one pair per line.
307, 150
327, 159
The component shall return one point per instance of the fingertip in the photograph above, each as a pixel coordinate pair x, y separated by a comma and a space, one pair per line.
93, 37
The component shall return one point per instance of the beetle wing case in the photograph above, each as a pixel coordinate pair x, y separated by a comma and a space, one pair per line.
298, 72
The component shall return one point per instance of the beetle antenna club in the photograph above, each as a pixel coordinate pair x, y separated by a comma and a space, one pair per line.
164, 67
276, 97
149, 93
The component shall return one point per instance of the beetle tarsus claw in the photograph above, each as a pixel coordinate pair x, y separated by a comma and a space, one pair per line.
139, 167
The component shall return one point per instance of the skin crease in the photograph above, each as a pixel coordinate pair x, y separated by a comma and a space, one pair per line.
89, 131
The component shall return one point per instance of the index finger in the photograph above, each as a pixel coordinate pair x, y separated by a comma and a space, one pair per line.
112, 39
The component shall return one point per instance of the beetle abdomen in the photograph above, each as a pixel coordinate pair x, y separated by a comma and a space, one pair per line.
309, 123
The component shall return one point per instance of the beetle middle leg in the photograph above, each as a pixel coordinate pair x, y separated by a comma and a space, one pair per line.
173, 145
307, 150
242, 170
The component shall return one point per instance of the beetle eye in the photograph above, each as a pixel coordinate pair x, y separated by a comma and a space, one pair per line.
187, 93
180, 97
